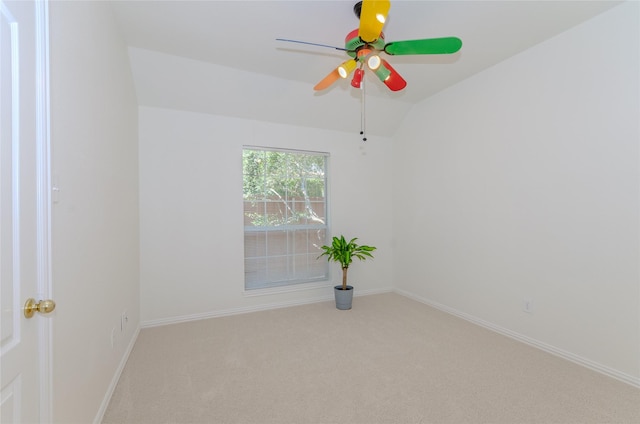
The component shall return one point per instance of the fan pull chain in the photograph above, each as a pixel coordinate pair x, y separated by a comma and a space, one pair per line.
362, 111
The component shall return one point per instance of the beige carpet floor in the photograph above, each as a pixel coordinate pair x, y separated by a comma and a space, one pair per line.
388, 360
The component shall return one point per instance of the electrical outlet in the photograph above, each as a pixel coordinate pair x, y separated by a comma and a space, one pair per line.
527, 305
124, 319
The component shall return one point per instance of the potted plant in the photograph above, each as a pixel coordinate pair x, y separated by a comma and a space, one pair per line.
343, 252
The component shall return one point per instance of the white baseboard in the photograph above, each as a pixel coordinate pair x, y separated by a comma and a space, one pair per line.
626, 378
116, 377
249, 309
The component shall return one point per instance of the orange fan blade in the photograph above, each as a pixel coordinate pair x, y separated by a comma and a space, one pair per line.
328, 80
343, 71
372, 18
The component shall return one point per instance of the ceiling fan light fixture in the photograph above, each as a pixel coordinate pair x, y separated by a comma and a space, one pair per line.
373, 62
347, 67
357, 78
382, 73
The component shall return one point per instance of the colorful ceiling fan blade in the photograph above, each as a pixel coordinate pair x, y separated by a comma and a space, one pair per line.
372, 18
328, 80
312, 44
445, 45
394, 81
341, 71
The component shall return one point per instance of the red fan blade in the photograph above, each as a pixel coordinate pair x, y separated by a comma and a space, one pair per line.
394, 81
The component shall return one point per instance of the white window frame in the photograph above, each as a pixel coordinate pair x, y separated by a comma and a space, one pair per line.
273, 260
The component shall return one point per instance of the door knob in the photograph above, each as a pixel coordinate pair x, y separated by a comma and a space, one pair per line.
43, 306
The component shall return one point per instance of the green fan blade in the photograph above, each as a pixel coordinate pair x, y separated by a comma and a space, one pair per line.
444, 45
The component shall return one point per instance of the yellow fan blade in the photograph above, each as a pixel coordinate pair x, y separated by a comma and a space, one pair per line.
372, 18
328, 80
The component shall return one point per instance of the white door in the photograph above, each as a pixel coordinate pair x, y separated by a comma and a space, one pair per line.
25, 347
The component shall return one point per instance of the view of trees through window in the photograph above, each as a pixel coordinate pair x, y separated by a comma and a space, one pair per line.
285, 216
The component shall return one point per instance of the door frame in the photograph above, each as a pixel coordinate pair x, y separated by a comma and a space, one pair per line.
43, 207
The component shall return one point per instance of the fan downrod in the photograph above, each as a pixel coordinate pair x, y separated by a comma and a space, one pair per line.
357, 8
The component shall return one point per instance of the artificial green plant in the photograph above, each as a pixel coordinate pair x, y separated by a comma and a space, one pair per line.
343, 252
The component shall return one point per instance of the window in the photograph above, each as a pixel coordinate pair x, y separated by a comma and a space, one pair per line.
285, 217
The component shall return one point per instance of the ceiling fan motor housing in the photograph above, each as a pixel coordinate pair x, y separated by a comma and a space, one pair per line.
353, 43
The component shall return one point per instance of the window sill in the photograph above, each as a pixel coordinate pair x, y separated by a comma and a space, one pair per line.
287, 289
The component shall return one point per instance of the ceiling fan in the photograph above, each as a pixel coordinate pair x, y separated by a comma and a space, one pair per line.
365, 44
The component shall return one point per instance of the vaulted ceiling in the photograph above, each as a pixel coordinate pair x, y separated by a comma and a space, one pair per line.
222, 57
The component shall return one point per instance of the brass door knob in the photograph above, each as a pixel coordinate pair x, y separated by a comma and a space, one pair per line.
44, 307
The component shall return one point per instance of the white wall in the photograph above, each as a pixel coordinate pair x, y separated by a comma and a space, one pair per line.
522, 182
191, 219
160, 82
95, 224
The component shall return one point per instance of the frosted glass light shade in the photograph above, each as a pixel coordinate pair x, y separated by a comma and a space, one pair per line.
373, 62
